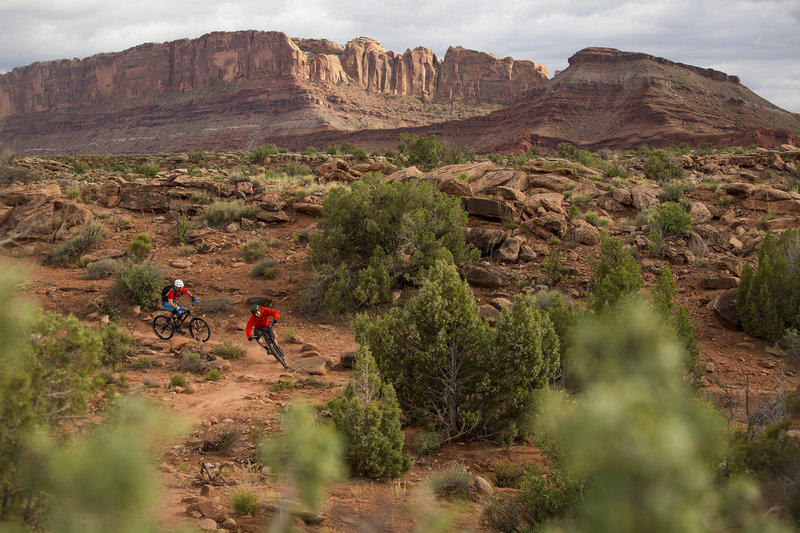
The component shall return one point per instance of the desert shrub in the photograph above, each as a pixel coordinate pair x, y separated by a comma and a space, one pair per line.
544, 497
9, 175
224, 211
429, 152
186, 249
177, 380
139, 247
659, 167
378, 236
192, 362
358, 152
596, 220
427, 441
147, 170
282, 385
213, 374
310, 150
48, 364
139, 284
219, 304
227, 350
616, 274
254, 249
118, 345
183, 226
452, 479
631, 375
143, 362
221, 439
673, 191
261, 153
367, 417
296, 169
790, 342
80, 241
289, 334
332, 149
671, 218
245, 502
264, 269
478, 381
101, 269
768, 298
509, 475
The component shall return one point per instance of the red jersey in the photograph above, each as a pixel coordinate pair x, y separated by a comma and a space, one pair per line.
261, 322
173, 295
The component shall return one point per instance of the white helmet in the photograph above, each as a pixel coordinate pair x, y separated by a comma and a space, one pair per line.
179, 283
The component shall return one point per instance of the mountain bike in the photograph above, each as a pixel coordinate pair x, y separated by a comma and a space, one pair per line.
165, 326
267, 341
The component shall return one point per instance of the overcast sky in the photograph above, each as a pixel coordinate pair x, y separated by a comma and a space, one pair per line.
757, 40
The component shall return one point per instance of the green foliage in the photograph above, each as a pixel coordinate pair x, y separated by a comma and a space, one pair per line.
186, 250
101, 269
254, 249
177, 380
429, 152
427, 441
225, 211
261, 153
118, 345
80, 242
642, 438
308, 452
367, 416
616, 274
659, 167
227, 350
452, 479
264, 269
282, 385
310, 150
139, 284
147, 170
296, 169
192, 362
671, 218
790, 343
768, 299
358, 152
549, 496
213, 374
245, 502
379, 235
596, 220
450, 370
183, 226
139, 247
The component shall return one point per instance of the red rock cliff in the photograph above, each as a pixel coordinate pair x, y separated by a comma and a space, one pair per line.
230, 57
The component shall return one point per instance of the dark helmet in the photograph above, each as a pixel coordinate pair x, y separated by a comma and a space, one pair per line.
254, 309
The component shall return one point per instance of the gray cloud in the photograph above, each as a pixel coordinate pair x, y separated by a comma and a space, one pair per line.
756, 40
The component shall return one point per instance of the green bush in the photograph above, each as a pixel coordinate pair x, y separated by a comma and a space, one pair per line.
358, 152
245, 502
182, 226
427, 441
616, 274
452, 479
147, 170
378, 236
227, 350
139, 247
80, 242
671, 218
427, 153
213, 374
260, 154
768, 298
192, 362
544, 497
177, 380
478, 381
139, 284
264, 269
367, 417
223, 212
659, 167
254, 249
296, 169
118, 345
101, 269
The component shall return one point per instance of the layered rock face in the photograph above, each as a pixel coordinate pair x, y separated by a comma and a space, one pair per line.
607, 98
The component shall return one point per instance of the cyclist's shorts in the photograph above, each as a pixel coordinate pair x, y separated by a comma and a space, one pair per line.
168, 307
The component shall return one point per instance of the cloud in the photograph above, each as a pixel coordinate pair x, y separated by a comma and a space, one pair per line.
756, 40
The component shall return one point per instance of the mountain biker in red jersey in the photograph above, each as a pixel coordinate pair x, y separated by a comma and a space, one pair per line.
259, 322
171, 298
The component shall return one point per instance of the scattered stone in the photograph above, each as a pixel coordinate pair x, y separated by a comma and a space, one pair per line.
207, 524
348, 360
207, 491
482, 489
710, 368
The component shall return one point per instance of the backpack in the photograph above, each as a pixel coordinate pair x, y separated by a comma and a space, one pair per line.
164, 293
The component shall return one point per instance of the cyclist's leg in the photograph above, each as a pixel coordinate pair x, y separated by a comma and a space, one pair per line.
171, 308
257, 333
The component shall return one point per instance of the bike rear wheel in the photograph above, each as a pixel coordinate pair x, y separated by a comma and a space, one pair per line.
199, 329
162, 327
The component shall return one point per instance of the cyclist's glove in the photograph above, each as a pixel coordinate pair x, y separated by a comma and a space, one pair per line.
194, 301
179, 311
250, 338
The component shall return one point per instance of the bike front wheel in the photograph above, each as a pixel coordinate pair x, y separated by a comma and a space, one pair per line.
162, 327
199, 329
277, 353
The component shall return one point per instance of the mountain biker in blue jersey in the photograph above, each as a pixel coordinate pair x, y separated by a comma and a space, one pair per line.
170, 295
